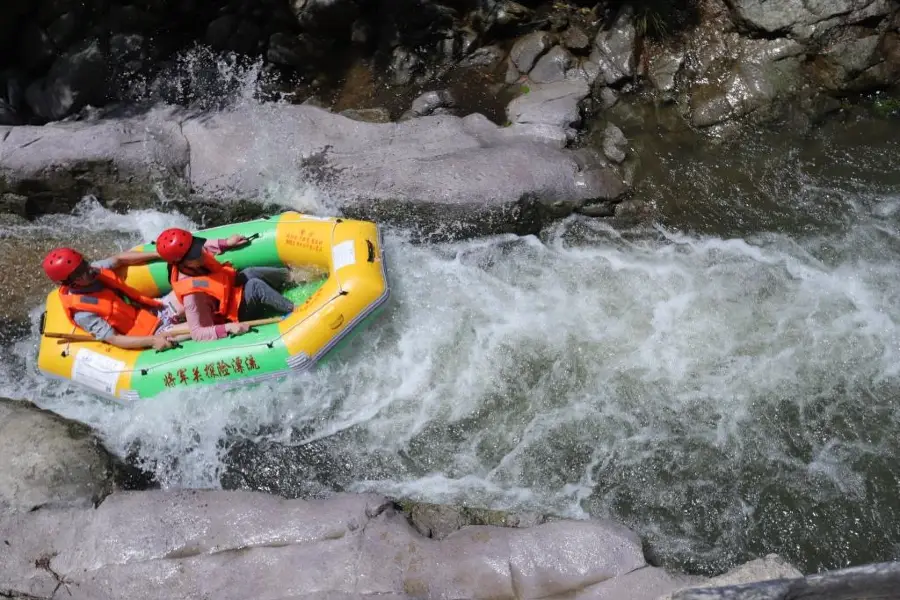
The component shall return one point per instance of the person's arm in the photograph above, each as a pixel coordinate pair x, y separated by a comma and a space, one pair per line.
220, 245
134, 342
128, 259
198, 313
103, 331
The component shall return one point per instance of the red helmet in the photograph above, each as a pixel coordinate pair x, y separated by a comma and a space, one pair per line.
60, 263
173, 244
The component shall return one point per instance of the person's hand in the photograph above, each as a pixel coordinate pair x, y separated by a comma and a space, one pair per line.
236, 328
161, 342
236, 240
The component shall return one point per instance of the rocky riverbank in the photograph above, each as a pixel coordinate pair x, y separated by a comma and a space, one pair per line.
69, 529
566, 78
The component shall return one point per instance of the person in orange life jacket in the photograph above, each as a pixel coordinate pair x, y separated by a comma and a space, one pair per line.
96, 299
99, 302
215, 296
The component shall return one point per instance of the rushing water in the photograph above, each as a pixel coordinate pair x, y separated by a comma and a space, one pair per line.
725, 381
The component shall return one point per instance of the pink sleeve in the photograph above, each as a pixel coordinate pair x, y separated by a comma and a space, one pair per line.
216, 246
198, 312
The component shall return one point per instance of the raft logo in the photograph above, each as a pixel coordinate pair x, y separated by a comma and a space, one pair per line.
304, 239
211, 370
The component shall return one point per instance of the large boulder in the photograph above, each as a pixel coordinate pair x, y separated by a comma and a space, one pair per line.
48, 460
806, 18
125, 162
239, 545
441, 161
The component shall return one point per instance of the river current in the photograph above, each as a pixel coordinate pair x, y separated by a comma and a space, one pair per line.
725, 380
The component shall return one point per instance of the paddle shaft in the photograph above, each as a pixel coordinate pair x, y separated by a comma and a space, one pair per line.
178, 330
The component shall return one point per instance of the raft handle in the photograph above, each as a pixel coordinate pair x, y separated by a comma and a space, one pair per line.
253, 237
371, 248
43, 322
174, 345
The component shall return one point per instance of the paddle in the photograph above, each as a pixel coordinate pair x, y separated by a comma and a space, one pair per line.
178, 330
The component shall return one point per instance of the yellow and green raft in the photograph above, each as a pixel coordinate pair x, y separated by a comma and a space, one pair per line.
351, 290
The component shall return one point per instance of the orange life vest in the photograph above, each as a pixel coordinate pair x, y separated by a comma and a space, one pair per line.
217, 284
109, 304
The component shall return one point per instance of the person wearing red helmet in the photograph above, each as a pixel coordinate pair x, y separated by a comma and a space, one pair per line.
95, 299
215, 296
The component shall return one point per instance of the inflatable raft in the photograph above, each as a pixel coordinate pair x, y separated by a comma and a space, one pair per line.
351, 288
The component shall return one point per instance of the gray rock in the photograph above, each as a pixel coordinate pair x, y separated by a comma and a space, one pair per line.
555, 104
552, 67
48, 461
508, 12
404, 65
76, 79
483, 57
13, 204
8, 114
777, 574
287, 49
219, 31
231, 545
440, 160
614, 49
575, 38
614, 143
762, 71
608, 97
428, 102
804, 18
122, 161
36, 49
528, 49
663, 68
648, 583
842, 61
368, 115
62, 30
437, 521
434, 168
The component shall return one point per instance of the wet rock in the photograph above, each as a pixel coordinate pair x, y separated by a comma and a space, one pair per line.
76, 79
8, 114
805, 19
437, 521
614, 143
219, 31
552, 67
614, 49
49, 461
36, 49
483, 57
769, 568
231, 545
429, 102
648, 583
404, 65
368, 115
575, 38
62, 31
121, 161
763, 71
843, 60
13, 204
663, 67
528, 49
555, 104
289, 50
608, 97
436, 161
509, 13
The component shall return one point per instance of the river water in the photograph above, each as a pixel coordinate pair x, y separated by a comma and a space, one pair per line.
724, 380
